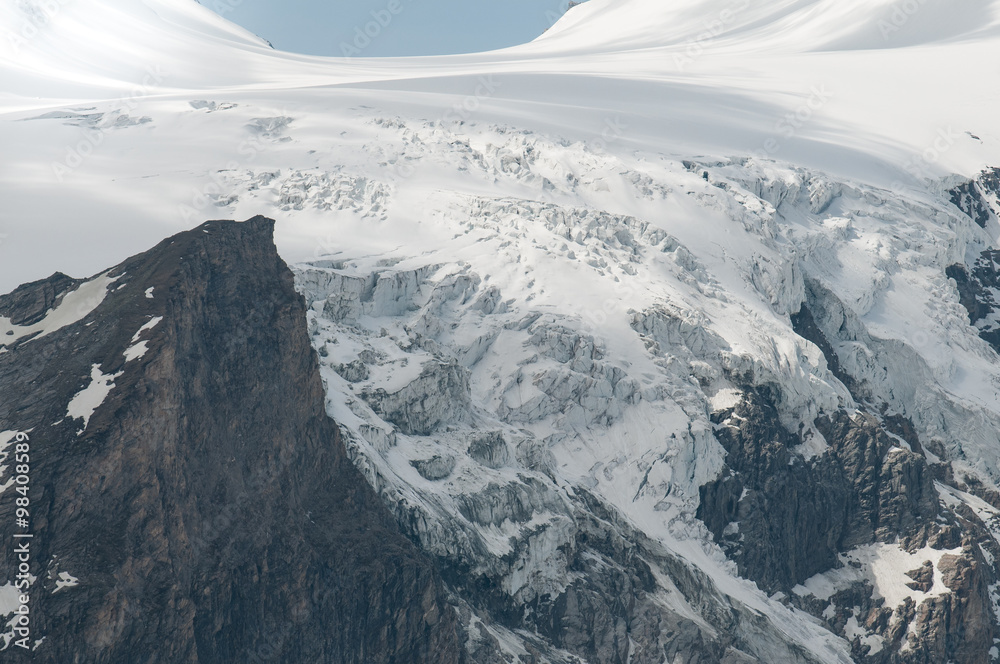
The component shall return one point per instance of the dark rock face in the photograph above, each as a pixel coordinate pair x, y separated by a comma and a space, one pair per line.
972, 197
799, 515
891, 489
794, 514
967, 198
609, 613
208, 508
923, 577
955, 622
783, 517
805, 326
28, 304
979, 292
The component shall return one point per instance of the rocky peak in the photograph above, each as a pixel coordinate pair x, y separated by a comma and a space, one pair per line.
190, 500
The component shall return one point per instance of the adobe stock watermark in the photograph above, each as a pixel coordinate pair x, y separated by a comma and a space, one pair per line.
901, 14
791, 123
625, 290
461, 111
596, 317
93, 138
458, 114
553, 16
613, 131
221, 7
365, 35
695, 48
36, 21
921, 166
22, 550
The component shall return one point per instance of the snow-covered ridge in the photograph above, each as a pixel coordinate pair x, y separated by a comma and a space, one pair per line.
781, 25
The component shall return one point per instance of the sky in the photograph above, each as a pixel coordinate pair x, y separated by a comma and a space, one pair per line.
374, 28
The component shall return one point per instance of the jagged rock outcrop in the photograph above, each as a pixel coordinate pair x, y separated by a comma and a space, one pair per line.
200, 507
979, 291
979, 283
787, 520
978, 198
29, 303
821, 525
794, 516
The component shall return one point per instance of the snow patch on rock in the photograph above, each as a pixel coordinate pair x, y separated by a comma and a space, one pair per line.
89, 399
74, 307
65, 580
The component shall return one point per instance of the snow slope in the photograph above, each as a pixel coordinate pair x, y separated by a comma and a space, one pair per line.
578, 242
692, 93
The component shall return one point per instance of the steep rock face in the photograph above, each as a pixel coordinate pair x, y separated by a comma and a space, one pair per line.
190, 499
978, 282
979, 290
978, 198
29, 303
782, 521
821, 523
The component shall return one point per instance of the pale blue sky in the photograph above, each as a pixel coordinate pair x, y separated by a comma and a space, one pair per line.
398, 27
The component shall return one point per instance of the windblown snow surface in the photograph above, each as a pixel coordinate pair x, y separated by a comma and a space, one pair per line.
559, 252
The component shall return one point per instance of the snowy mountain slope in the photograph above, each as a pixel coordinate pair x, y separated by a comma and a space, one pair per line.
694, 96
564, 293
782, 25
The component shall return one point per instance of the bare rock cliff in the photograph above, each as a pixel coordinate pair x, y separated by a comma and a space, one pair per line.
205, 510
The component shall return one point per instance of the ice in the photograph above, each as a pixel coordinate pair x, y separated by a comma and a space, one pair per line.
726, 398
135, 351
628, 80
153, 322
855, 631
9, 603
140, 348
